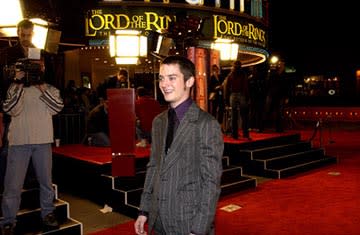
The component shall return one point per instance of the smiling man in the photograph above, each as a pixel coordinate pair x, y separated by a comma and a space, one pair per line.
182, 184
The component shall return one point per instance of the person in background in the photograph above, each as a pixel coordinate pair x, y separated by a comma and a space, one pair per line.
71, 99
146, 108
216, 94
84, 100
277, 95
257, 90
182, 184
120, 80
98, 126
31, 103
237, 89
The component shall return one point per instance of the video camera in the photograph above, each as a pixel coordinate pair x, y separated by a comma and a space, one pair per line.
33, 72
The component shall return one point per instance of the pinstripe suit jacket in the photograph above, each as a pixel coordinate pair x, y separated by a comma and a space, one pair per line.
183, 186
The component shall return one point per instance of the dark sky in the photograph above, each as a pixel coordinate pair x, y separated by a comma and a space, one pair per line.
316, 35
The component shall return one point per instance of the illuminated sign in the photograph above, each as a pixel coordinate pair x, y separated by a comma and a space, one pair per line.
224, 28
100, 22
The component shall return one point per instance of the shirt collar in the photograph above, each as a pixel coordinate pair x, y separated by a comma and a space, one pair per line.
182, 108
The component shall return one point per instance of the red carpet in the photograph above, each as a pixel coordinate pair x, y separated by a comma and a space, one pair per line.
102, 155
323, 201
96, 155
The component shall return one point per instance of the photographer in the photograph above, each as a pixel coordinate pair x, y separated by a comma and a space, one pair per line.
31, 103
8, 57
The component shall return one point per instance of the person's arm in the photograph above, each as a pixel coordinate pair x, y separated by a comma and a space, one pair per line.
51, 97
151, 172
14, 101
225, 85
211, 148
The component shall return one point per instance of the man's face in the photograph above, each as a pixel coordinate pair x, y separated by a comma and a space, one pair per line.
121, 77
172, 84
25, 36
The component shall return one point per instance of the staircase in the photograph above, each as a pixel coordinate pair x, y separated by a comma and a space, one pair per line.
29, 220
281, 157
271, 157
126, 191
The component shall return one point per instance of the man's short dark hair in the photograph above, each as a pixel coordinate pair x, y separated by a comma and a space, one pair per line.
123, 72
141, 91
25, 24
187, 67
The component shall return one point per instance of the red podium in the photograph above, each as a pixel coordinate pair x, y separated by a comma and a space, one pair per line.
122, 130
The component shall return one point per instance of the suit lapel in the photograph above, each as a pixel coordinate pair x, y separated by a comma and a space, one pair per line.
186, 126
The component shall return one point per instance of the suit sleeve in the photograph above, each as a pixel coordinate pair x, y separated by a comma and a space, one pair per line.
211, 149
150, 172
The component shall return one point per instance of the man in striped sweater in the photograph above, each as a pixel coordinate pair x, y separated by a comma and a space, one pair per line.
31, 107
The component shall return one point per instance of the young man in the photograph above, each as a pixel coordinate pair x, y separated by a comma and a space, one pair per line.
182, 184
31, 103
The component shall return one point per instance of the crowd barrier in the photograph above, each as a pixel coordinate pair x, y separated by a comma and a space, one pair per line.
69, 128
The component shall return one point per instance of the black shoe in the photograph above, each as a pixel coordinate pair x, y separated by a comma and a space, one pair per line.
50, 222
8, 229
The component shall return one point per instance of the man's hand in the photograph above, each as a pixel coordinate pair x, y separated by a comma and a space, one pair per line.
139, 225
19, 75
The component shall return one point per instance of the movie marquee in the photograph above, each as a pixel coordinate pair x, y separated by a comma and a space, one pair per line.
210, 21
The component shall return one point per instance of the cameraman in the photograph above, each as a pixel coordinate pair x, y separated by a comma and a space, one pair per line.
8, 58
31, 103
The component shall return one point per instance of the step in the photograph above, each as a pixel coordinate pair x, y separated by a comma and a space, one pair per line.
282, 160
259, 167
29, 221
294, 159
276, 140
120, 193
273, 151
30, 197
128, 183
242, 183
232, 180
69, 227
239, 153
231, 174
125, 202
300, 168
